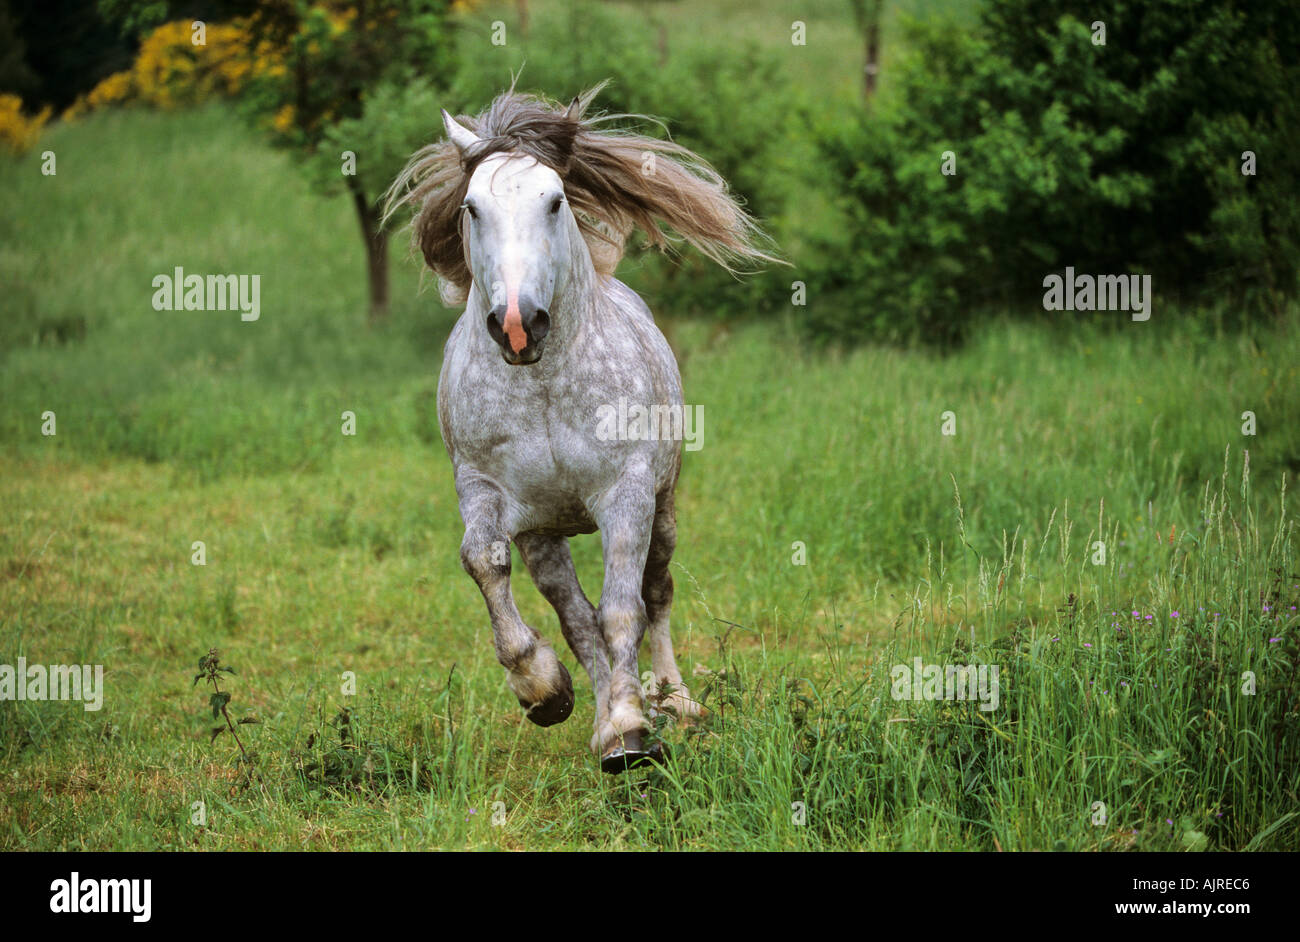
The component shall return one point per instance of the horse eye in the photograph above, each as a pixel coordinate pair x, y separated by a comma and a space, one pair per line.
555, 205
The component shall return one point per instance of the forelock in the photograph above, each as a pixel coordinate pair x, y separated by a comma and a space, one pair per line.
506, 167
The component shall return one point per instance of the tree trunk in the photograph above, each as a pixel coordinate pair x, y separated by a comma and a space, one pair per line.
871, 68
867, 13
376, 239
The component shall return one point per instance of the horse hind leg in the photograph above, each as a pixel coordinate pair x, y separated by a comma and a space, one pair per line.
670, 694
538, 680
551, 566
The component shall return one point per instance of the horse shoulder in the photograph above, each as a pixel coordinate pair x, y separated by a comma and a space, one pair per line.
628, 301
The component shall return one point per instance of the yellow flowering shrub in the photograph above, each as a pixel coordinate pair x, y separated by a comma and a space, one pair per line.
171, 71
18, 133
331, 45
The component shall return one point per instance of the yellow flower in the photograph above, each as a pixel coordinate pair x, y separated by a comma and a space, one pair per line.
18, 133
113, 90
170, 70
283, 121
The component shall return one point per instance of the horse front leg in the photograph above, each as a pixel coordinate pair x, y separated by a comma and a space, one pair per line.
538, 680
551, 565
625, 516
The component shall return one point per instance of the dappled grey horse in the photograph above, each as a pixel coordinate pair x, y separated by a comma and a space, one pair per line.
523, 213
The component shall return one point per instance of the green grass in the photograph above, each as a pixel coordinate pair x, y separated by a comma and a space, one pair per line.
328, 554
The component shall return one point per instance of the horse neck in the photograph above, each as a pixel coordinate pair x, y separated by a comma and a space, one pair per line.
577, 306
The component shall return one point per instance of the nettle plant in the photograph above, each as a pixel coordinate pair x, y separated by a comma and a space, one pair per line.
362, 755
210, 671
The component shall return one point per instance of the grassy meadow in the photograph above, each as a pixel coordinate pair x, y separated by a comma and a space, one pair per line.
829, 530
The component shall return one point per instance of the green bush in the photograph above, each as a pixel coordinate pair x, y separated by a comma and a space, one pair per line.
1114, 158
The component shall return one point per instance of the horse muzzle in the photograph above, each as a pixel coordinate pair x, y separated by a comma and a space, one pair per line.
519, 331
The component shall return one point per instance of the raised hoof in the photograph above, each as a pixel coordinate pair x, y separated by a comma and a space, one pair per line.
631, 753
555, 708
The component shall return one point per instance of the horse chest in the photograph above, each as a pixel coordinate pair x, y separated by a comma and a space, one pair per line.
530, 441
537, 433
549, 453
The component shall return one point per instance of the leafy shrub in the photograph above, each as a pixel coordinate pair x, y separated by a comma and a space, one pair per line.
1114, 158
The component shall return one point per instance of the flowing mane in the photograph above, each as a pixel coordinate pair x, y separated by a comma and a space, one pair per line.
614, 180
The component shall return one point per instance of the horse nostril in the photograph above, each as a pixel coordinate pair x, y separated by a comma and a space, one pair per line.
540, 325
496, 323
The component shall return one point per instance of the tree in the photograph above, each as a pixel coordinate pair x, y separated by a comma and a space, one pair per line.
867, 15
348, 85
52, 52
353, 94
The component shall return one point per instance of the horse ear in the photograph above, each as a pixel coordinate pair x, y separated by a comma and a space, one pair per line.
566, 134
458, 134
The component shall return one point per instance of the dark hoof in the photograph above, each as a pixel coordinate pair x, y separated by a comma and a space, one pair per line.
631, 753
556, 708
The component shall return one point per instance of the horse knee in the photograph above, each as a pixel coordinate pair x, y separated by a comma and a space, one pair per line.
623, 622
485, 555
